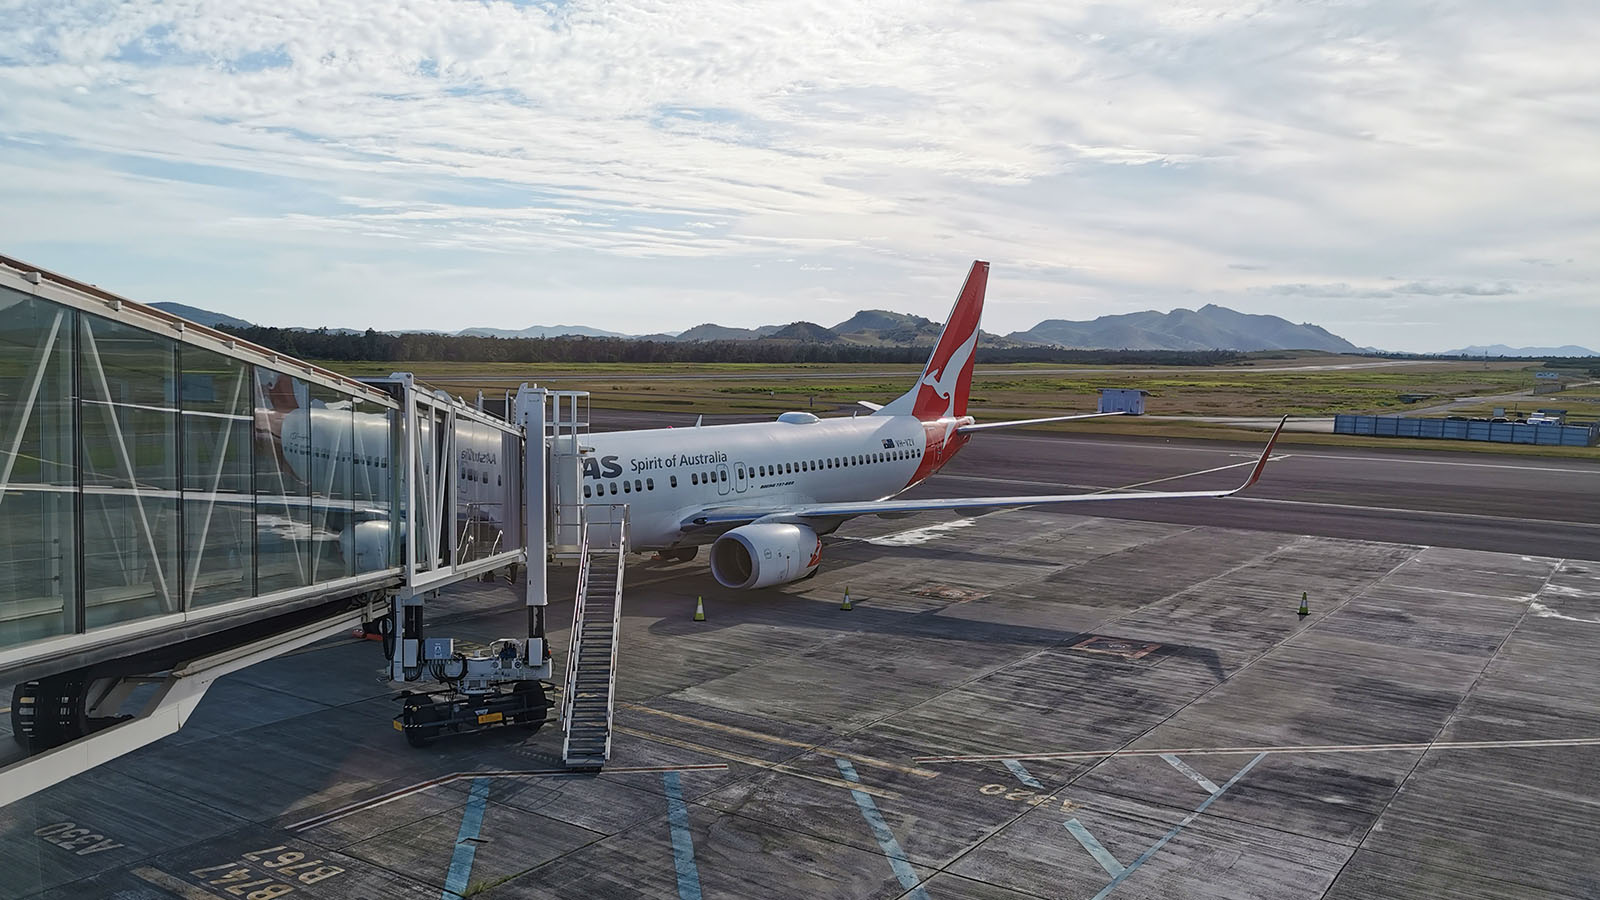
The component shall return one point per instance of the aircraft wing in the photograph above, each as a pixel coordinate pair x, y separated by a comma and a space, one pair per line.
985, 426
819, 512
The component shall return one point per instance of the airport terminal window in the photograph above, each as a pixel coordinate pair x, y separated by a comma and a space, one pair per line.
218, 509
38, 524
332, 425
282, 454
128, 424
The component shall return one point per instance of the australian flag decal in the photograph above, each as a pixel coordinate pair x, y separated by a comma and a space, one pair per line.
888, 444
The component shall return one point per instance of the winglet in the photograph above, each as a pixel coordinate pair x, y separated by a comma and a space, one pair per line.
1261, 464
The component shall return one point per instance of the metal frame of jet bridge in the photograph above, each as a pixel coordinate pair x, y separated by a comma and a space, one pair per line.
154, 528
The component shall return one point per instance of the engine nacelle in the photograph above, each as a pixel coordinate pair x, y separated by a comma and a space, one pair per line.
366, 545
764, 554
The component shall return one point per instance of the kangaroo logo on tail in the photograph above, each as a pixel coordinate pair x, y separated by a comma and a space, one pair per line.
941, 391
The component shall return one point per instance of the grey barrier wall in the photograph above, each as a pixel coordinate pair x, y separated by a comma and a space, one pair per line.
1469, 430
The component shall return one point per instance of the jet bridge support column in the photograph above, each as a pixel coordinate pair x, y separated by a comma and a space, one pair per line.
530, 407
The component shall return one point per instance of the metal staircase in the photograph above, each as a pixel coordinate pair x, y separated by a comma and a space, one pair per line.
588, 698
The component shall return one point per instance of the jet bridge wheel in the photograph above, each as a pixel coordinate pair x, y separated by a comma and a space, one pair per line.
416, 719
535, 703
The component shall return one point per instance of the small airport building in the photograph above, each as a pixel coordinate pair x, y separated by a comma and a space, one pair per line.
1123, 400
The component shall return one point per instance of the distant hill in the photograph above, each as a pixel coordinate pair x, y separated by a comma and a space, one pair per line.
1503, 350
803, 331
713, 332
1211, 327
540, 331
201, 316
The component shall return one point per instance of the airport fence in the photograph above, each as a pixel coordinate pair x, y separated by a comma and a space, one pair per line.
1469, 430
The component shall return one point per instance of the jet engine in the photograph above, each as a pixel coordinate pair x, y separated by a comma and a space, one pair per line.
366, 545
763, 554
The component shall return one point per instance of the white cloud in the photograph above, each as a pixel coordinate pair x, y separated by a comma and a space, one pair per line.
663, 163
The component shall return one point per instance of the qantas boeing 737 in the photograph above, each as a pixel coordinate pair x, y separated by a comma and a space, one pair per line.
761, 494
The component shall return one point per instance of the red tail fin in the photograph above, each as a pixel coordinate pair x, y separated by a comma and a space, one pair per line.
942, 389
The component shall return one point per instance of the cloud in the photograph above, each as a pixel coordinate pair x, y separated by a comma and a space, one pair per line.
1104, 157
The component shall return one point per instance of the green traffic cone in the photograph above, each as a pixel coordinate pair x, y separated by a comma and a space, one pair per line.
700, 609
846, 604
1304, 609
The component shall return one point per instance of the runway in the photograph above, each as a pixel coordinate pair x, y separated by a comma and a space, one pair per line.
1507, 503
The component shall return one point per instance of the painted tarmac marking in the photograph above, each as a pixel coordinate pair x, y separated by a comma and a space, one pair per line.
81, 841
1310, 748
880, 830
781, 741
1154, 848
176, 885
750, 761
1420, 512
351, 809
682, 838
1096, 849
1023, 775
460, 874
1205, 783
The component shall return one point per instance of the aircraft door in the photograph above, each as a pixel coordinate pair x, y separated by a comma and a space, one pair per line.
739, 477
722, 478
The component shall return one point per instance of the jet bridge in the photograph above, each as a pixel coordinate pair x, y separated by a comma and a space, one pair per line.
176, 504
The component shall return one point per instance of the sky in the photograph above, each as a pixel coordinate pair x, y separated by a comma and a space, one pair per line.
1411, 176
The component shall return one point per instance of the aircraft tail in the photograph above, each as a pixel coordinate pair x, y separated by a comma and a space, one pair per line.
941, 391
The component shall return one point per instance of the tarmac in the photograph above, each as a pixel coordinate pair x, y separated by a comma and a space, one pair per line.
1027, 704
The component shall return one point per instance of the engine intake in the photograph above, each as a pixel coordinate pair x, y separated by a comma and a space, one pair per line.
765, 554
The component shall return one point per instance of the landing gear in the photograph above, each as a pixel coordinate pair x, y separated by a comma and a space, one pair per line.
680, 555
426, 717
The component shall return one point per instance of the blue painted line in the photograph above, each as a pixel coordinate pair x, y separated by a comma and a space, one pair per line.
1096, 849
1023, 775
1145, 857
682, 839
455, 882
880, 830
1188, 770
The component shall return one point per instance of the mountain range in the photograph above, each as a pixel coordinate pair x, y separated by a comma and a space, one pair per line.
1211, 327
1503, 350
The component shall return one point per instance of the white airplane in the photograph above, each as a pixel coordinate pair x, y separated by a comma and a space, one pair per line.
761, 494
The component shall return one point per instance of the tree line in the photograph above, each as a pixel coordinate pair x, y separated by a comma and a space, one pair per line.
377, 346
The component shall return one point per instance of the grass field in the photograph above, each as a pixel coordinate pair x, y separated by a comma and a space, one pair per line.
1257, 388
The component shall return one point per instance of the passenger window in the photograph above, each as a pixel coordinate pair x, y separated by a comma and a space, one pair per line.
586, 490
650, 484
627, 488
613, 488
724, 474
739, 471
637, 485
672, 480
694, 478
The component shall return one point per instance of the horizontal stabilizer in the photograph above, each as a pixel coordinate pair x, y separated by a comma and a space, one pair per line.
987, 426
869, 405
